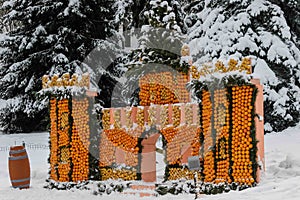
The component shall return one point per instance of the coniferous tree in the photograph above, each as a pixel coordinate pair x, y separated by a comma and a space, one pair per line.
256, 28
191, 9
291, 9
5, 25
159, 42
164, 14
163, 25
53, 37
129, 13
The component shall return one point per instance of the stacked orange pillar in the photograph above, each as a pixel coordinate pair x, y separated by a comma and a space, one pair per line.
63, 131
242, 139
80, 140
69, 138
208, 143
222, 126
229, 149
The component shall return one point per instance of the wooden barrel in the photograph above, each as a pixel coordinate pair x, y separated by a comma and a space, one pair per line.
19, 168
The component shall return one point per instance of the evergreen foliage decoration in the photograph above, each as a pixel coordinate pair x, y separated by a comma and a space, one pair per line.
94, 144
170, 187
53, 37
258, 29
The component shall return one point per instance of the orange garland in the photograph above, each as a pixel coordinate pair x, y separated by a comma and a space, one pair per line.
188, 114
196, 143
164, 116
141, 118
183, 94
220, 67
106, 119
54, 140
176, 115
124, 174
131, 159
181, 173
178, 138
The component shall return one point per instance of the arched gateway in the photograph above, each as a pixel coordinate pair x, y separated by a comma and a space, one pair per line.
135, 146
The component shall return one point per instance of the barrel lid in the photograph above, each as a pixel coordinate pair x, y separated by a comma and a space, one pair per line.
16, 147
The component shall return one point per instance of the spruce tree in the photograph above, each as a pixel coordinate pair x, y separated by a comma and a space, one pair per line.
164, 14
160, 42
129, 13
5, 25
258, 29
291, 9
163, 29
54, 36
191, 9
157, 43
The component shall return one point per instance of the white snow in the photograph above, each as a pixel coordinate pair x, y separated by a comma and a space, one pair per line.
257, 7
60, 58
264, 73
170, 16
8, 4
2, 103
30, 84
219, 35
40, 30
281, 180
72, 7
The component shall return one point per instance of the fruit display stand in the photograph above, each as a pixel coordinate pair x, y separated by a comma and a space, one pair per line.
69, 127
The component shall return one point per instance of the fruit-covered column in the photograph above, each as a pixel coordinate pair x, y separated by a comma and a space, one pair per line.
70, 127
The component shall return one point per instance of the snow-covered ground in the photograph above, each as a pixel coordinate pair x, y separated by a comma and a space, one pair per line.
281, 180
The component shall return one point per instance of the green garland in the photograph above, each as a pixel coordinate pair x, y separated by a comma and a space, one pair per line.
62, 92
212, 83
253, 151
159, 56
229, 98
94, 172
70, 136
